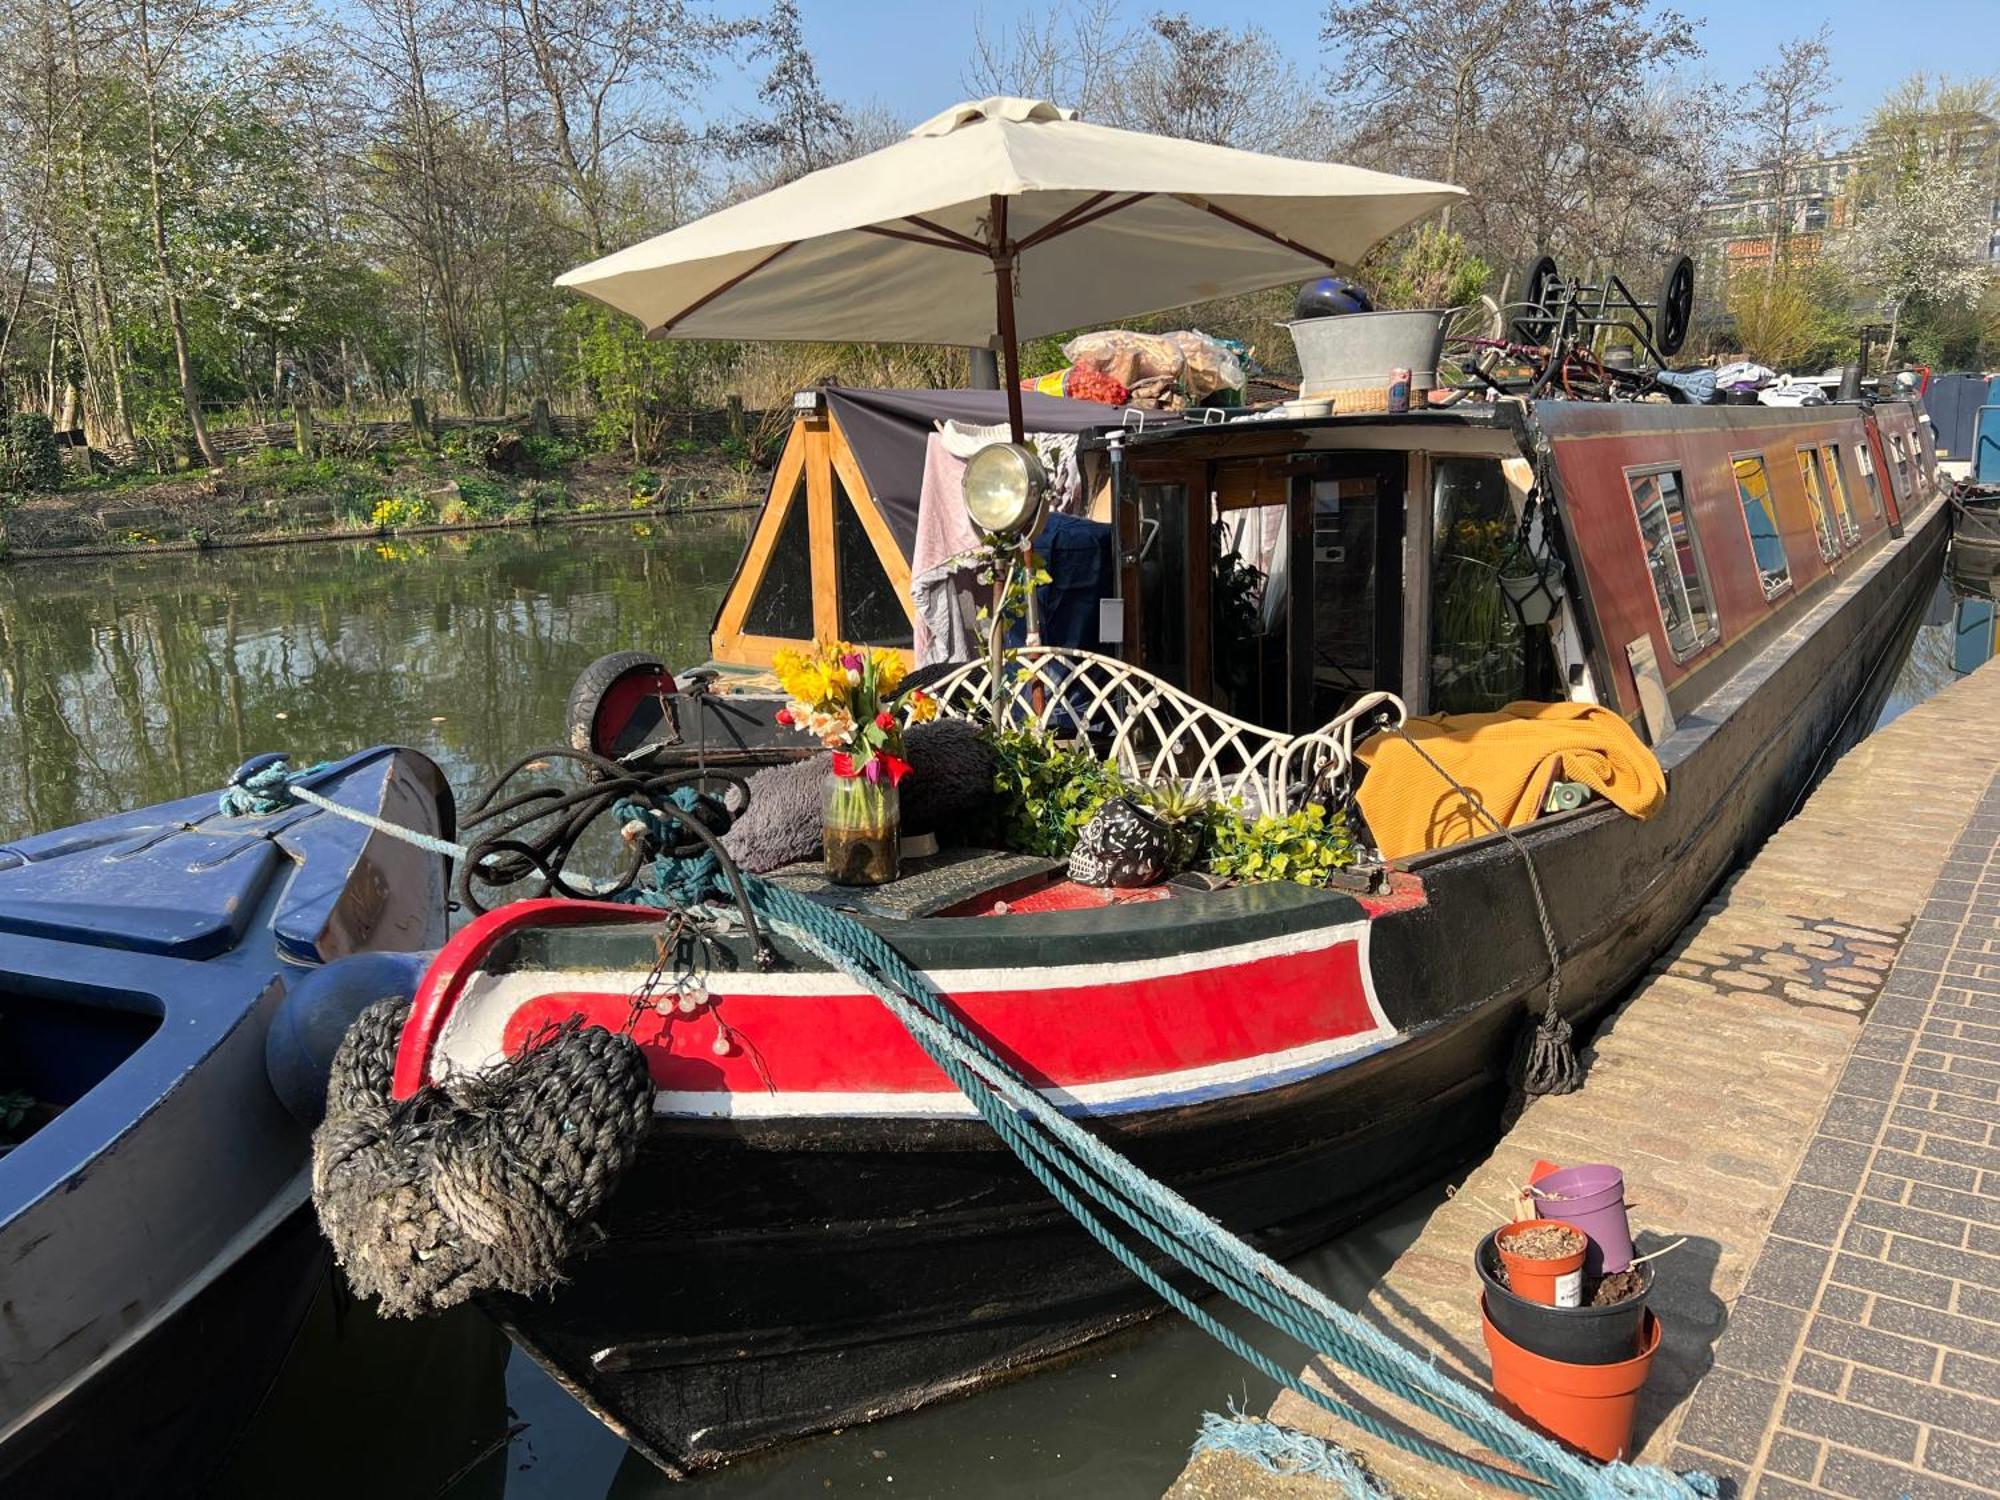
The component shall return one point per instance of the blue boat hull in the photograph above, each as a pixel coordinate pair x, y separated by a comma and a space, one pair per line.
151, 1234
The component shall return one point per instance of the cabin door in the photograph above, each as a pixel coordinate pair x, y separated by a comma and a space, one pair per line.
1355, 587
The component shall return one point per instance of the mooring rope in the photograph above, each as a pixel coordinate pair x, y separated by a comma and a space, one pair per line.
1093, 1182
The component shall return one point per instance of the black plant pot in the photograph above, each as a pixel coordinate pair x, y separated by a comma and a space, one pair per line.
1573, 1335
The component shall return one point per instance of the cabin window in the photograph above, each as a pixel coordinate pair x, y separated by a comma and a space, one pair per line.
1478, 657
870, 608
1673, 556
1829, 543
784, 604
1760, 516
1865, 462
1899, 455
1836, 489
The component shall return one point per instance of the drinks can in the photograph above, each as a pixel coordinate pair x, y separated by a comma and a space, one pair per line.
1399, 390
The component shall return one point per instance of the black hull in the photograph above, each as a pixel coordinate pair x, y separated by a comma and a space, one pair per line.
761, 1282
157, 1422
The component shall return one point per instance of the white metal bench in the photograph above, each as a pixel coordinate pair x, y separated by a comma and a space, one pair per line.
1155, 733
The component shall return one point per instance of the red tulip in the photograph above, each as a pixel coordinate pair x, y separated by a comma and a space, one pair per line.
785, 716
885, 720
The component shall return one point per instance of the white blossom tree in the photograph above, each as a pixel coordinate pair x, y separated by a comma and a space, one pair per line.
1922, 239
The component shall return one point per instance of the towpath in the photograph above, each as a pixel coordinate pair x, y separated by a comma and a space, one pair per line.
1808, 1086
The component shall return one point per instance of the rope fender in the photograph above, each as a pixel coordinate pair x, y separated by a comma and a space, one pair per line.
480, 1183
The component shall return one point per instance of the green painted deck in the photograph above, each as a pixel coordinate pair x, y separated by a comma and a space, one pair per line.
1807, 1087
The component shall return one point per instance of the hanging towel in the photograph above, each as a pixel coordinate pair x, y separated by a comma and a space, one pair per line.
1508, 758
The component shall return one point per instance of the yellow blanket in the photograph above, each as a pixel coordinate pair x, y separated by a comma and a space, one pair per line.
1508, 759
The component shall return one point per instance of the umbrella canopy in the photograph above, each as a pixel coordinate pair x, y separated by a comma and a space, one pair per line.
998, 220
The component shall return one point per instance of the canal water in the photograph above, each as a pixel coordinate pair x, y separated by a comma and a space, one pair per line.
133, 679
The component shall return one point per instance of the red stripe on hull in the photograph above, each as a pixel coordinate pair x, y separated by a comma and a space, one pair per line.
850, 1042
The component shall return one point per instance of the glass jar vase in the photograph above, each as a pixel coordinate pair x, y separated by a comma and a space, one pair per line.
862, 830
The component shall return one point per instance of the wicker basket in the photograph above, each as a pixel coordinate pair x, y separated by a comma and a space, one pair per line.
1364, 400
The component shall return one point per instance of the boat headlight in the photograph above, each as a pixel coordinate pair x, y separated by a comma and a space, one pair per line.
1005, 485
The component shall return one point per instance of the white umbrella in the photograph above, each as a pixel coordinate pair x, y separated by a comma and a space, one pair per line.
951, 236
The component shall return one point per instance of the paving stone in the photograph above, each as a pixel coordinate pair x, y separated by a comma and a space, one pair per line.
1938, 1327
1832, 1163
1929, 1404
1789, 1273
1729, 1414
1872, 1431
1815, 1372
1868, 1478
1976, 1377
1945, 1229
1814, 1215
1843, 1302
1865, 1346
1959, 1457
1760, 1337
1944, 1260
1895, 1281
1792, 1456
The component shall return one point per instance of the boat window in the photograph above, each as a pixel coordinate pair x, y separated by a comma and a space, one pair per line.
1673, 555
1477, 654
1865, 462
1899, 456
1249, 594
1760, 515
870, 609
1836, 488
1829, 544
784, 606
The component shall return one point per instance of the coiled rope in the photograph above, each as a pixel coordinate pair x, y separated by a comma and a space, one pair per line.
1098, 1187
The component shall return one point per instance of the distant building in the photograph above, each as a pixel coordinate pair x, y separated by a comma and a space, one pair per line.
1742, 229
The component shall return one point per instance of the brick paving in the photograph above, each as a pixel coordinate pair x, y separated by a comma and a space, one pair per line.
1864, 1357
1809, 1086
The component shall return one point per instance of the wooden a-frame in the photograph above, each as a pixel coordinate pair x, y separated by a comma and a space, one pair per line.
815, 467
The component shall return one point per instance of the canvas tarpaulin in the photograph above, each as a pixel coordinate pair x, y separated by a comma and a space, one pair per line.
887, 431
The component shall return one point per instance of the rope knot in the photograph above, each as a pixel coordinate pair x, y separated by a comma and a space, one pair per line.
262, 785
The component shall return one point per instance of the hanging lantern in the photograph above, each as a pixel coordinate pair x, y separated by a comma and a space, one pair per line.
1530, 573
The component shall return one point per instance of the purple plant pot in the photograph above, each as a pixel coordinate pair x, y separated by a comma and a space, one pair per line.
1590, 1198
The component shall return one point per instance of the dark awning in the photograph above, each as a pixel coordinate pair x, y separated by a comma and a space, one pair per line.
888, 431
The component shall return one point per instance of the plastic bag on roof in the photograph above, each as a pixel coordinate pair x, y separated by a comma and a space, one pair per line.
1125, 356
1210, 364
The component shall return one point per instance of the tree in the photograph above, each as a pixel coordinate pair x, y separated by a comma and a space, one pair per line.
1424, 72
1214, 84
1923, 240
803, 129
1793, 95
1068, 54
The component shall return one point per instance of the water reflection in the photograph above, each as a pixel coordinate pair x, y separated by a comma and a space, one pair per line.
129, 680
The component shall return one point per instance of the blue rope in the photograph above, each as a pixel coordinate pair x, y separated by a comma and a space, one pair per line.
1076, 1166
1286, 1453
271, 789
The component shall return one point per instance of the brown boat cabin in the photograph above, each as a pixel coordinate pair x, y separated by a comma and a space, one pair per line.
1278, 569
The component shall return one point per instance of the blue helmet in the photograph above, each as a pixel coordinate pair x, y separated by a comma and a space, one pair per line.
1330, 295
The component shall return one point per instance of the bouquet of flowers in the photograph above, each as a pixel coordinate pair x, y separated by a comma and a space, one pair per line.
837, 695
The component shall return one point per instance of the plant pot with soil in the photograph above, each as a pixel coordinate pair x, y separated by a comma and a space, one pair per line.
1589, 1407
1604, 1327
1543, 1260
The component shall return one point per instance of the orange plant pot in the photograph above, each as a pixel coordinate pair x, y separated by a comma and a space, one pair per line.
1553, 1283
1587, 1407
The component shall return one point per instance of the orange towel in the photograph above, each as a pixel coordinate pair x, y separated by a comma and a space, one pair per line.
1508, 759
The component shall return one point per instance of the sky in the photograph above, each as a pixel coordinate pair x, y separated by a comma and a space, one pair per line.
909, 55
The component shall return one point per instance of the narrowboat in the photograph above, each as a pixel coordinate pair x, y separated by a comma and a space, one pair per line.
818, 1229
160, 1253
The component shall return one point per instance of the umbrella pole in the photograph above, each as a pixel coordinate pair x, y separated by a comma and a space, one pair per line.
1003, 309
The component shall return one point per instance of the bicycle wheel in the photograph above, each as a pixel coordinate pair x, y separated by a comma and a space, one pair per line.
1471, 348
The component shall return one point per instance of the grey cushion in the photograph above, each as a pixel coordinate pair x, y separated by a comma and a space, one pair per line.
950, 781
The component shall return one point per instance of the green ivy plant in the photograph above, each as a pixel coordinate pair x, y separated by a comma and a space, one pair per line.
1304, 847
1048, 790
